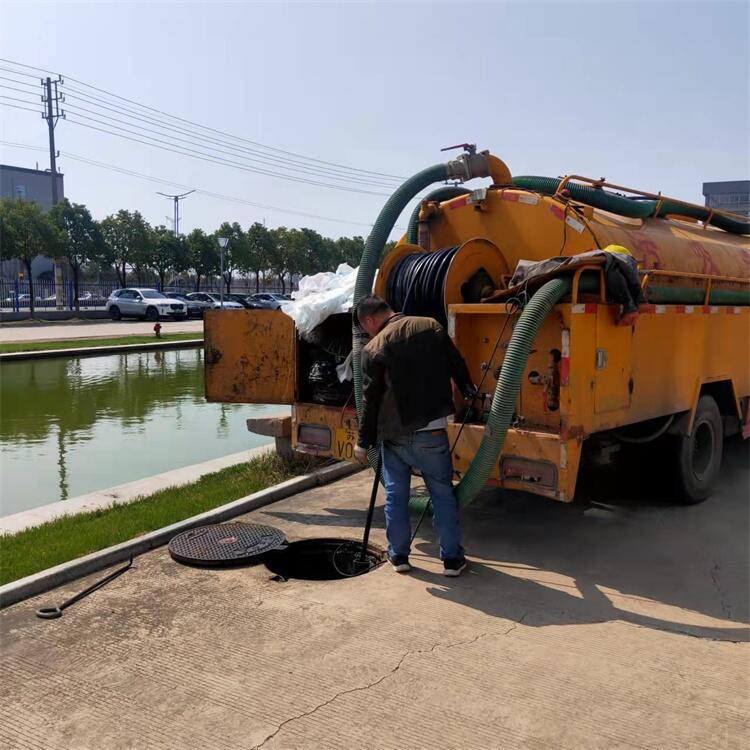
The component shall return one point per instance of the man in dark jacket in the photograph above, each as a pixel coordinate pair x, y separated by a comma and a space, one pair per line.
407, 368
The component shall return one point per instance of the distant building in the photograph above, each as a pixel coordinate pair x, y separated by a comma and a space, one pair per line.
728, 196
31, 185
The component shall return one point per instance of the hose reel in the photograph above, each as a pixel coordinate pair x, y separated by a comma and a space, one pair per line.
417, 282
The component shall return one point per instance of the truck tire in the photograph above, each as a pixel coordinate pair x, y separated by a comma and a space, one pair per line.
114, 312
697, 456
152, 314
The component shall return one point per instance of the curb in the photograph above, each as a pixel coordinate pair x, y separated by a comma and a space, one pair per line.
98, 351
16, 591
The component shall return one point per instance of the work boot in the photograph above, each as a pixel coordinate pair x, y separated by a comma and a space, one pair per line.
400, 563
452, 566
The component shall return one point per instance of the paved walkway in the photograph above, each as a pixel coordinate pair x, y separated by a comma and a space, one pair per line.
611, 623
17, 333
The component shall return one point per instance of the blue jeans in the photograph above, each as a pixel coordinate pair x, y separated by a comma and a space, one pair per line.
429, 452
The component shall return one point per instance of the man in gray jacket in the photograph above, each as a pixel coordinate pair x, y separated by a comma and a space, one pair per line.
407, 368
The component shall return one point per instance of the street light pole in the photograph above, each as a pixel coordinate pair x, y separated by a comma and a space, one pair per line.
223, 243
176, 199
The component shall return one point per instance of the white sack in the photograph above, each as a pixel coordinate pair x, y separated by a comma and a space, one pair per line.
321, 295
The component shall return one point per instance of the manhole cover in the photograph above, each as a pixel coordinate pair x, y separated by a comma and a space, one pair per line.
225, 543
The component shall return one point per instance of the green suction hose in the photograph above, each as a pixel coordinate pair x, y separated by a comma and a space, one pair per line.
441, 194
508, 386
509, 383
381, 230
635, 209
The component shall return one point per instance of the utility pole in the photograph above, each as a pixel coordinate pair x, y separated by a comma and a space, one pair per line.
176, 199
52, 114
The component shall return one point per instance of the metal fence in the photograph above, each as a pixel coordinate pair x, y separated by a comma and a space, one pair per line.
15, 295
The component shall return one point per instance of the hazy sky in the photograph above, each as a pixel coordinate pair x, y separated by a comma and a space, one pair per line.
652, 95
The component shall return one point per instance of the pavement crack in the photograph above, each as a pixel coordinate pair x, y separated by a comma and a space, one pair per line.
727, 609
385, 676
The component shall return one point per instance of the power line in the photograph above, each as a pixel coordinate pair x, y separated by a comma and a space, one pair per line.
141, 130
30, 67
16, 99
15, 106
210, 129
20, 83
200, 191
226, 162
19, 72
267, 158
235, 137
13, 88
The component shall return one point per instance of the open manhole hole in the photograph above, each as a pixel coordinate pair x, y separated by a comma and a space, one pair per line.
322, 559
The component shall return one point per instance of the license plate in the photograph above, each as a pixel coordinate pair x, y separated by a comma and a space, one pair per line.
344, 442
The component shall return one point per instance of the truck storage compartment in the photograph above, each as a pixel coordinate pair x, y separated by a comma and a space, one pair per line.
321, 352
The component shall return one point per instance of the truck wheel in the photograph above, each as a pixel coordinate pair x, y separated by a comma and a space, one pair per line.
114, 312
698, 455
152, 314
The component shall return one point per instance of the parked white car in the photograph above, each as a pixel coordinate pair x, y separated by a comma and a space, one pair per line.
144, 303
211, 301
23, 299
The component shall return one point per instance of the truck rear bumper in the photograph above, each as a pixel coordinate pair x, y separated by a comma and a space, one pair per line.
541, 462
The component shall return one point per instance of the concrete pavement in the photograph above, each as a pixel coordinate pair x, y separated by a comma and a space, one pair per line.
20, 333
620, 621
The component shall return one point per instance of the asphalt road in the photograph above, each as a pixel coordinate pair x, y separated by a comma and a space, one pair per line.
17, 333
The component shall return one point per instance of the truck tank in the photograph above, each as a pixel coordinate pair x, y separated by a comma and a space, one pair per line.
680, 259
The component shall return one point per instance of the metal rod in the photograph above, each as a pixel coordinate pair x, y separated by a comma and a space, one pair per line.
371, 509
52, 613
655, 196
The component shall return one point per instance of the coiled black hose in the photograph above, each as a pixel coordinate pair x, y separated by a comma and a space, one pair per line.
416, 286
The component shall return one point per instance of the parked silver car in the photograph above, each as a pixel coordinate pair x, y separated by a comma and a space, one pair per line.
144, 303
268, 300
212, 301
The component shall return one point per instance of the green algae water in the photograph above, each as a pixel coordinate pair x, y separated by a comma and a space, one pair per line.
74, 425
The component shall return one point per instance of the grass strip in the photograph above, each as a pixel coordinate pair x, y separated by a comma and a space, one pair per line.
36, 346
69, 537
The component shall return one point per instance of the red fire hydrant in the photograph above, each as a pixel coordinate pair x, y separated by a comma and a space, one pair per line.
157, 330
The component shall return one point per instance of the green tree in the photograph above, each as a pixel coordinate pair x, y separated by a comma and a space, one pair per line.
126, 239
349, 250
143, 253
282, 257
312, 252
236, 252
260, 250
25, 232
81, 238
204, 255
166, 253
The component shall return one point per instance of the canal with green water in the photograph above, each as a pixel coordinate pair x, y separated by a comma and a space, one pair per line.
74, 425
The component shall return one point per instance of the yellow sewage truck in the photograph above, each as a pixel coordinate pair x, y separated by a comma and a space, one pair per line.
560, 368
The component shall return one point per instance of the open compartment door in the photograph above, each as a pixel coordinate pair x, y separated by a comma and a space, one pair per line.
249, 356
